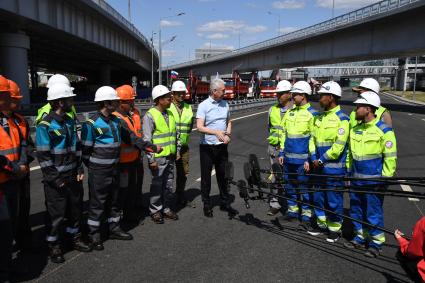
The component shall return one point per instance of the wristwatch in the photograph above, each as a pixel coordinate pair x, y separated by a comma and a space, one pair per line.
320, 162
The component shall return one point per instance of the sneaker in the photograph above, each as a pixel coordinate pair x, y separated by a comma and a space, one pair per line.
333, 237
157, 218
315, 231
273, 211
353, 245
372, 252
56, 255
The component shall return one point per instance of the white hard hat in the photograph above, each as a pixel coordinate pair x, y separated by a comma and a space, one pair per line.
178, 86
105, 93
59, 91
369, 84
159, 91
283, 86
301, 87
369, 98
58, 79
331, 88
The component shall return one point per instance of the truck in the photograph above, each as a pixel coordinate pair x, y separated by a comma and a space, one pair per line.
236, 88
197, 89
268, 88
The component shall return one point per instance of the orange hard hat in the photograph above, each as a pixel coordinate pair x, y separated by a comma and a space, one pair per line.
4, 84
125, 92
14, 89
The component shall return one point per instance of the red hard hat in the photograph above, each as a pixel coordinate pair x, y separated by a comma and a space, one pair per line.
125, 92
15, 92
4, 84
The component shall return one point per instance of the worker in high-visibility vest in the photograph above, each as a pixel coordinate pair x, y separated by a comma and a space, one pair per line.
331, 131
372, 154
382, 113
159, 128
129, 155
43, 111
297, 149
276, 119
6, 167
183, 115
22, 229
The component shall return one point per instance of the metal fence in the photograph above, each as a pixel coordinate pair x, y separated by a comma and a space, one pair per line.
332, 24
111, 11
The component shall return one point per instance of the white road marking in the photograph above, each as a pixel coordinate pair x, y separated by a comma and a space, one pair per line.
410, 114
193, 130
407, 188
423, 119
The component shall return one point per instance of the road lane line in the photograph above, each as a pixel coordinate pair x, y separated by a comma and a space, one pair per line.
193, 130
407, 188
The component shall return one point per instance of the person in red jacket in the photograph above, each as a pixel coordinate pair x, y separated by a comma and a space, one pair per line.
412, 252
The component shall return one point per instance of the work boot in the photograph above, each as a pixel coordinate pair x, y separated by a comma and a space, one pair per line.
81, 246
372, 252
230, 210
273, 211
171, 215
290, 218
119, 234
208, 212
97, 245
56, 254
157, 218
353, 245
316, 231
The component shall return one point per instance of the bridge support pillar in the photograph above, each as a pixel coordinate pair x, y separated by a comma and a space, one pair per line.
14, 60
105, 74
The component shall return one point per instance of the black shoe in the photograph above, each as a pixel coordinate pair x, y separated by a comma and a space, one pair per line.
157, 218
230, 210
305, 226
273, 211
181, 200
315, 231
81, 246
208, 212
372, 252
97, 246
119, 234
289, 218
171, 215
333, 237
56, 255
353, 245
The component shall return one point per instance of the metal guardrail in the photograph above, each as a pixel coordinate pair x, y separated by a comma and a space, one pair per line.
110, 10
234, 106
349, 18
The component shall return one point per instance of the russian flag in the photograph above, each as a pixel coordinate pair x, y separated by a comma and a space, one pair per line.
174, 74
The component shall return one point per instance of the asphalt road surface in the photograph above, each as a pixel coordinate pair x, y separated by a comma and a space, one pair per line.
249, 248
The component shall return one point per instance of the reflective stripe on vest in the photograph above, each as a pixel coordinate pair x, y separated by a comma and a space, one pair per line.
9, 145
164, 134
276, 129
128, 152
183, 121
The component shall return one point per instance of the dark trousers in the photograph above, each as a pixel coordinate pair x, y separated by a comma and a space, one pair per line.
23, 236
182, 170
139, 186
65, 202
128, 191
12, 199
104, 201
216, 155
6, 239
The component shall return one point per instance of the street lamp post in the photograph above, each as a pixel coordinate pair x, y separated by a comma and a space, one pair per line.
278, 21
152, 73
160, 44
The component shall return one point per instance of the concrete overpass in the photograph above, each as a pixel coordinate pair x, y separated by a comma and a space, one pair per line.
390, 28
85, 37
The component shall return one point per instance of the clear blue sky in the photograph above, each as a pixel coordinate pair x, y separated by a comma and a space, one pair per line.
222, 23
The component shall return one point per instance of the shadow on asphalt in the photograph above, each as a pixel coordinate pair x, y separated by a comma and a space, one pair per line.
291, 232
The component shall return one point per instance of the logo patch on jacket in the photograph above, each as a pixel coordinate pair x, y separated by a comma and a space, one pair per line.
341, 131
389, 144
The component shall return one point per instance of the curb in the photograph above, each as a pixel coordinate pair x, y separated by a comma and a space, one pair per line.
417, 103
